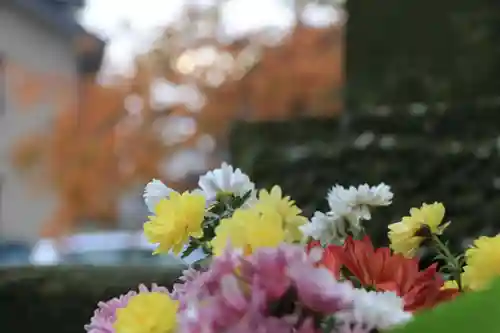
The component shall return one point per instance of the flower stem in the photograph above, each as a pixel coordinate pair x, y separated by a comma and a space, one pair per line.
357, 232
453, 262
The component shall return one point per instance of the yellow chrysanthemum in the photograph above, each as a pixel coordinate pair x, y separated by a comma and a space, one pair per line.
248, 230
289, 212
404, 236
450, 284
175, 220
152, 312
482, 262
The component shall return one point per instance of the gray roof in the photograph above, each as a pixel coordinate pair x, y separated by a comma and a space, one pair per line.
50, 13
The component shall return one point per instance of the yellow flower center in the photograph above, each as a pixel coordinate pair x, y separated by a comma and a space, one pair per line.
152, 312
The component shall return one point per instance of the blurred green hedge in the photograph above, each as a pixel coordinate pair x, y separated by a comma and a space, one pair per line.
392, 57
62, 299
425, 155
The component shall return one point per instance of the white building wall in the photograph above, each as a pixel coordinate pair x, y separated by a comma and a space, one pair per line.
29, 45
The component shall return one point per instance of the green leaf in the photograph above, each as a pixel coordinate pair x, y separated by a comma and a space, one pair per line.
349, 276
470, 312
193, 245
247, 195
440, 256
209, 216
209, 231
207, 249
328, 325
217, 208
447, 276
239, 201
202, 264
461, 259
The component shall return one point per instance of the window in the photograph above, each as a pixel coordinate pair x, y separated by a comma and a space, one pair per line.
3, 85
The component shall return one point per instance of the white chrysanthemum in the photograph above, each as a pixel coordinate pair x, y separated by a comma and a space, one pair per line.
374, 310
154, 191
225, 179
327, 228
348, 207
354, 202
379, 195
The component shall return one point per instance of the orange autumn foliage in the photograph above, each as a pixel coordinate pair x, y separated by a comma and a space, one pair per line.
81, 163
302, 77
97, 149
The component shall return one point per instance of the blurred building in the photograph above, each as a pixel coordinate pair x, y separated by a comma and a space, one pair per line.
36, 36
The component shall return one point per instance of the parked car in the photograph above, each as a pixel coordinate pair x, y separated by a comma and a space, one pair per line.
14, 253
103, 248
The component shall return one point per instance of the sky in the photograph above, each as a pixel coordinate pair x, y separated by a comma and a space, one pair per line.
132, 25
129, 25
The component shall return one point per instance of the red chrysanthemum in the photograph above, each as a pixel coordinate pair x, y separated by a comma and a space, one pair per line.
383, 271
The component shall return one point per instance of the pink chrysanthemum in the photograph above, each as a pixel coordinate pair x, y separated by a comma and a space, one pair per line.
279, 290
188, 281
105, 314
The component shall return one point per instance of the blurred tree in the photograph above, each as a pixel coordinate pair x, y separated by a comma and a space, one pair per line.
182, 98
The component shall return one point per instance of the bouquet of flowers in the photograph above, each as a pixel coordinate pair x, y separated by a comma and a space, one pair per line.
268, 269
